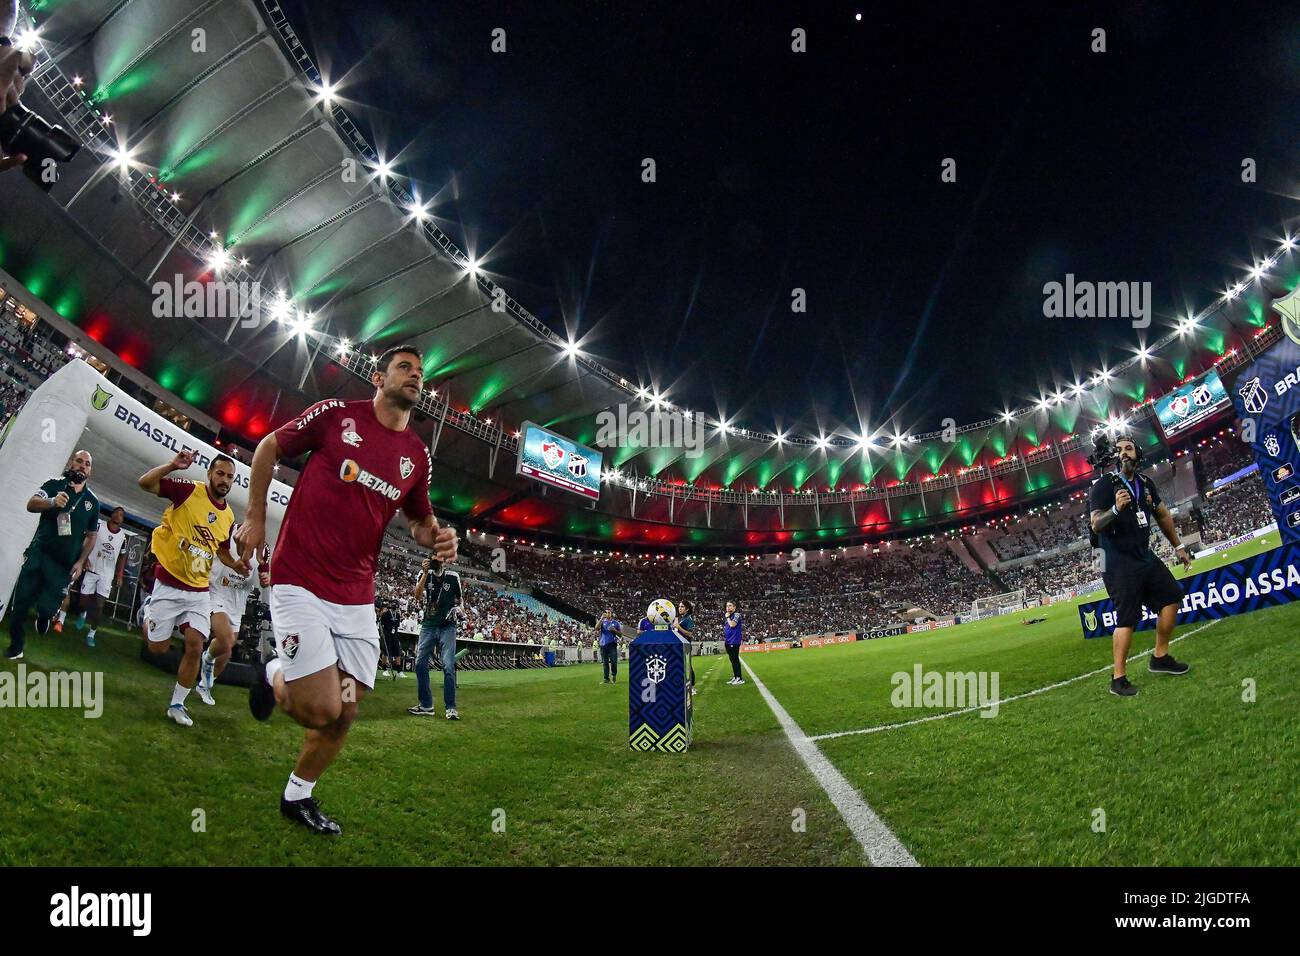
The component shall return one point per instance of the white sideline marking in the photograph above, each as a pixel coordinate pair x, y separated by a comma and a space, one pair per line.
1004, 700
876, 839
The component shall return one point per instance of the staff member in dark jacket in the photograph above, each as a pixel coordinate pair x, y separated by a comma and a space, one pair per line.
686, 629
1124, 505
733, 635
608, 630
64, 538
440, 592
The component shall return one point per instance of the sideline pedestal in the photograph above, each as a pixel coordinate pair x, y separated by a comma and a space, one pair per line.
659, 701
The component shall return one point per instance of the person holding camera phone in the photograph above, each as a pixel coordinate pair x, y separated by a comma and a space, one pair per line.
1124, 504
440, 594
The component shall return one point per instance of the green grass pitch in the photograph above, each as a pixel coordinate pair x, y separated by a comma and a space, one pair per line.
1186, 774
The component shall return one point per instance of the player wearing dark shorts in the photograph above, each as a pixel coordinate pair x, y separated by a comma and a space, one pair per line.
366, 462
1124, 504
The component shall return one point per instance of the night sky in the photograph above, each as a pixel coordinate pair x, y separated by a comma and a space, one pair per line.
821, 171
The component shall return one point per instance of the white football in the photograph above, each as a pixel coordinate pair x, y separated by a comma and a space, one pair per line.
661, 612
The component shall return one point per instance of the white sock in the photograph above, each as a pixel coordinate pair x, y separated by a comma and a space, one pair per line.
273, 667
297, 788
91, 632
179, 694
207, 656
61, 616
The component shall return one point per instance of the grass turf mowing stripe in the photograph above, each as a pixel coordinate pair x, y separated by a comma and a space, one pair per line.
1005, 700
876, 839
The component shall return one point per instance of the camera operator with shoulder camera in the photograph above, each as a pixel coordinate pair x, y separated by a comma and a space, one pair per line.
1124, 503
26, 140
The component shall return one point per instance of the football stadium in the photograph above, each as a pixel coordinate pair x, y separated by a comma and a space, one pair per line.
405, 463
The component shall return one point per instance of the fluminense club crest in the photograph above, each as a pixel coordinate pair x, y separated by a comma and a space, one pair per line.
656, 668
289, 646
1253, 396
552, 454
406, 466
1181, 406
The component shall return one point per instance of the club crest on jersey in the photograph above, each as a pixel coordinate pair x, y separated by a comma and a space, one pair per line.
1272, 446
86, 505
577, 466
552, 454
1253, 396
352, 438
351, 472
289, 646
406, 466
212, 517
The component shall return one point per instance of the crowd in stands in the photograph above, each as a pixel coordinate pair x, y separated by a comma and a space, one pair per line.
1237, 509
491, 613
1219, 461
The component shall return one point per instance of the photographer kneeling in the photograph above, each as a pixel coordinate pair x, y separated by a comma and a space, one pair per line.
1123, 504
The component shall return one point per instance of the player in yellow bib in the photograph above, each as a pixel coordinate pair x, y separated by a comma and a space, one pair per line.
194, 532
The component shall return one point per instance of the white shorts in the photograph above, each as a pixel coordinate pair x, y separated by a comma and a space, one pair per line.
311, 635
170, 608
227, 603
93, 583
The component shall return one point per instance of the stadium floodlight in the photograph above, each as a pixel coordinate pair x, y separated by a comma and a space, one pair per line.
570, 349
1258, 270
176, 197
1187, 326
77, 81
641, 393
417, 210
821, 441
1007, 417
897, 440
218, 259
327, 92
344, 345
473, 267
1041, 404
1288, 243
383, 169
26, 40
123, 159
1143, 354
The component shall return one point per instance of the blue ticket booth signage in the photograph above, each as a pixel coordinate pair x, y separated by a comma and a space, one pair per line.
659, 700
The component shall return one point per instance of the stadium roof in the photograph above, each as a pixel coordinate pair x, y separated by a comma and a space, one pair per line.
216, 148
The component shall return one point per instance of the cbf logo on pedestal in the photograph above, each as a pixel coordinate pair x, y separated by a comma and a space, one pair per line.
659, 700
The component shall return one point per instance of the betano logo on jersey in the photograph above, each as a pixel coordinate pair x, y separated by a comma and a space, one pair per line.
350, 471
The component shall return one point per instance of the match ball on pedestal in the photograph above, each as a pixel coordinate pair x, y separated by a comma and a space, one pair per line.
661, 613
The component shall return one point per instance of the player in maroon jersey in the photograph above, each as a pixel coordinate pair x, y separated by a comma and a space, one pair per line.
366, 462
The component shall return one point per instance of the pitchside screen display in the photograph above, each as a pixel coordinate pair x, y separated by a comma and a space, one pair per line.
1191, 404
557, 461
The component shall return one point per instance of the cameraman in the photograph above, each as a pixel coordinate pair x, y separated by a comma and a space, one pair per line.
15, 66
1123, 504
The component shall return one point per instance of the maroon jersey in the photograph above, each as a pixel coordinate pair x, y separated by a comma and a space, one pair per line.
358, 475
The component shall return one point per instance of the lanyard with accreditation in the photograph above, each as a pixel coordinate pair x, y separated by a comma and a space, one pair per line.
1135, 490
